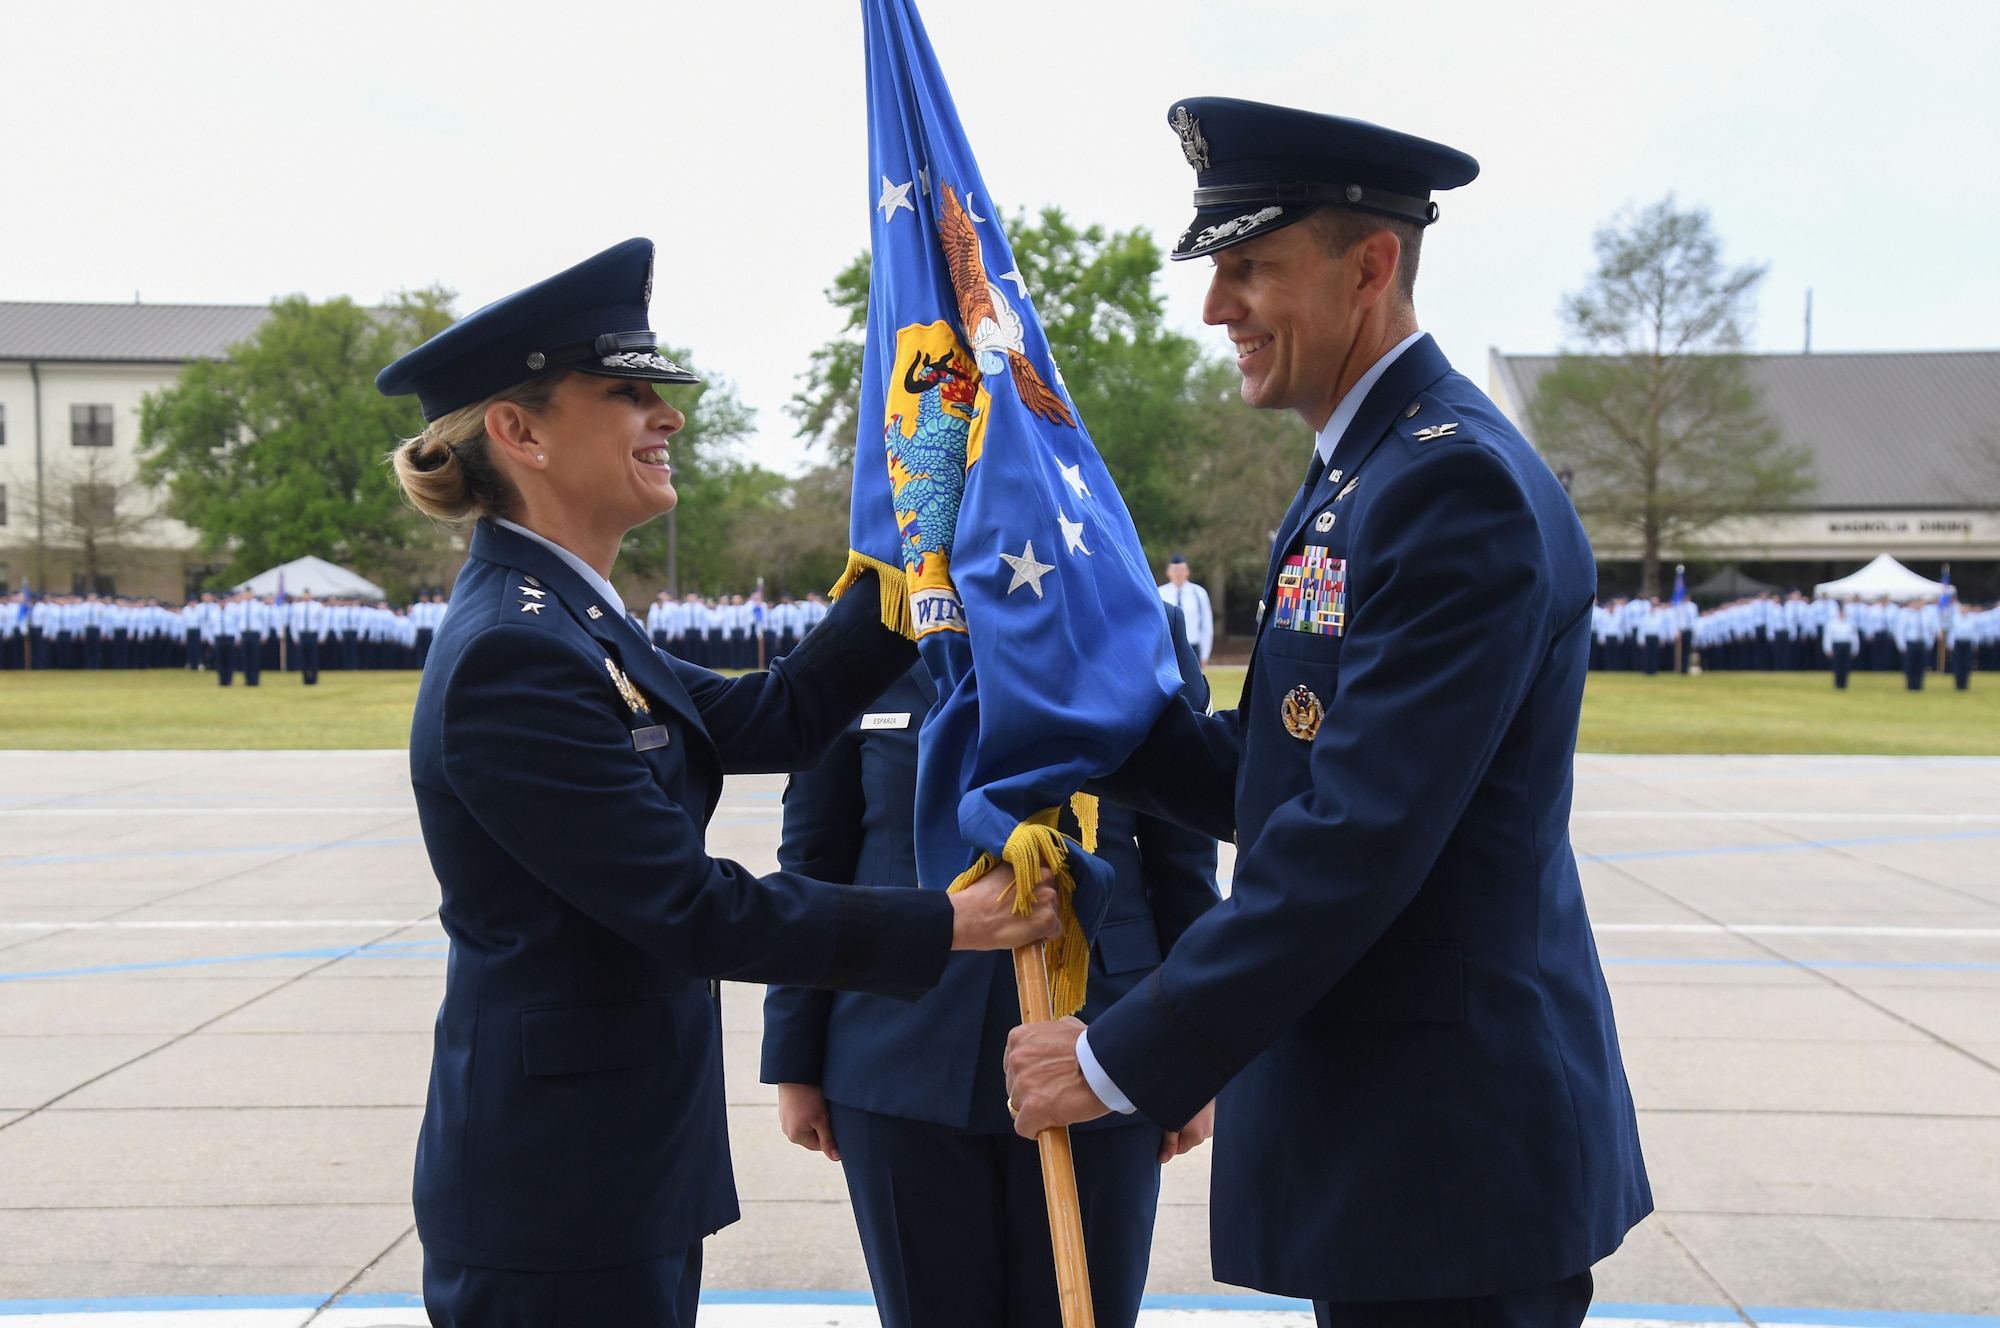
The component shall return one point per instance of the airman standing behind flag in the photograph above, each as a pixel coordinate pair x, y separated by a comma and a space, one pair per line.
1000, 543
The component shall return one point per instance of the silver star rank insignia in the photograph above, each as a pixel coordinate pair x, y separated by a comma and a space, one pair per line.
532, 606
532, 594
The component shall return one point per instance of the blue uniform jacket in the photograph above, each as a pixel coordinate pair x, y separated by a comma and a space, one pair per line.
1402, 994
939, 1059
575, 1115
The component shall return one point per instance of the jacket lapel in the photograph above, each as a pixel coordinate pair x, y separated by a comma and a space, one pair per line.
571, 594
1414, 371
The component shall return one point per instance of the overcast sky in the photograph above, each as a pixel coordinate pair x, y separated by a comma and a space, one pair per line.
225, 153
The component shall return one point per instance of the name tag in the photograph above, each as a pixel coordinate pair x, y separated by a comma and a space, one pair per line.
648, 738
887, 720
1312, 593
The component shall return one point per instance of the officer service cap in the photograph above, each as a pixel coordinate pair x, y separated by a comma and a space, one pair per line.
591, 318
1259, 168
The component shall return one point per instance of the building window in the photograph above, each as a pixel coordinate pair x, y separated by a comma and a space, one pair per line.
3, 504
3, 424
90, 426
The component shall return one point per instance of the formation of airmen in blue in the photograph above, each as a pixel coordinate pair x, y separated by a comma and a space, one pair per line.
1769, 633
222, 633
248, 634
732, 631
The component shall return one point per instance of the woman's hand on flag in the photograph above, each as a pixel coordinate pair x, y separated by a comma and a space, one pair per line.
985, 919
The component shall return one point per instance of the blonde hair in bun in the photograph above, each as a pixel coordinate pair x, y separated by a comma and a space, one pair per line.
447, 471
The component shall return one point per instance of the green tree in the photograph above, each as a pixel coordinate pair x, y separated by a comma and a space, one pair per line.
1244, 467
1657, 420
276, 452
1132, 377
827, 409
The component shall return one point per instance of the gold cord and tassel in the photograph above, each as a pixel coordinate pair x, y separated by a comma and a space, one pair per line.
1034, 847
894, 584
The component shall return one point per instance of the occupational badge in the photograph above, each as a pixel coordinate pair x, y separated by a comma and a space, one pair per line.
1194, 144
627, 690
1303, 712
1323, 522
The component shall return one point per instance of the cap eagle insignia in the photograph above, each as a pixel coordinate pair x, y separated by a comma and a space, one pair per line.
1194, 144
990, 323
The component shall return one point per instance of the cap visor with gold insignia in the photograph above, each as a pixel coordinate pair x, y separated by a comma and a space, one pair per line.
1260, 168
591, 318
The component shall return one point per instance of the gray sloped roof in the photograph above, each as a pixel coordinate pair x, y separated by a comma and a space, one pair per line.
139, 333
1899, 429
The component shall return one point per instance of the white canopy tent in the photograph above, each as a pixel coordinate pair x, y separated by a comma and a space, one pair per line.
1885, 578
318, 575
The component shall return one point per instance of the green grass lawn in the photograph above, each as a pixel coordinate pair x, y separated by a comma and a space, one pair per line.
1622, 712
1768, 713
172, 708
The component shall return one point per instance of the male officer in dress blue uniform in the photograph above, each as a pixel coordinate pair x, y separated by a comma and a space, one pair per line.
1424, 1117
909, 1098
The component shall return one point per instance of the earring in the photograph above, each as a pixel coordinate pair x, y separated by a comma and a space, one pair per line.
540, 457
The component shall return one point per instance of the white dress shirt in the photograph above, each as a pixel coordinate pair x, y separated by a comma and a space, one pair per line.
1192, 601
1350, 405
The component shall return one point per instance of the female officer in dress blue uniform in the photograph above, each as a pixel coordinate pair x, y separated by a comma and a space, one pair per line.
910, 1098
574, 1152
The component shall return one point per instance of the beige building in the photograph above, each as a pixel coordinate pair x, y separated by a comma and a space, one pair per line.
1905, 451
73, 514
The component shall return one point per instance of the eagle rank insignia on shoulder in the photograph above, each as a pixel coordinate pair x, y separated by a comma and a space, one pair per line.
1303, 712
627, 690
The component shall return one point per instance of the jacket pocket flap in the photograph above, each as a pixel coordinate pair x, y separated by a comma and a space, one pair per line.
613, 1035
1128, 945
1422, 983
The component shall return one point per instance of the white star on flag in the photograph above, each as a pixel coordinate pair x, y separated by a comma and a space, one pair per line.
1020, 282
1027, 572
1073, 476
895, 196
1072, 532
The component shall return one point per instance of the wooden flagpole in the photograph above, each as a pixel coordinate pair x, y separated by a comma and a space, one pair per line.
1031, 977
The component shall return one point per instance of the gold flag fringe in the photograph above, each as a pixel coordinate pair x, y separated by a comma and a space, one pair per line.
1084, 806
1034, 847
895, 588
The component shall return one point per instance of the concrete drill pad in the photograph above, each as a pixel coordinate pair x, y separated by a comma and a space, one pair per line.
1751, 1052
189, 1251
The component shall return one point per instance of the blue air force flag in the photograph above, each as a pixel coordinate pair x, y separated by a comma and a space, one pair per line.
1002, 545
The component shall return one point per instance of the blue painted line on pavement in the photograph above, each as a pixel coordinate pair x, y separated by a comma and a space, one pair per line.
1868, 1318
1246, 1302
129, 1304
374, 950
1793, 846
57, 859
1803, 963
